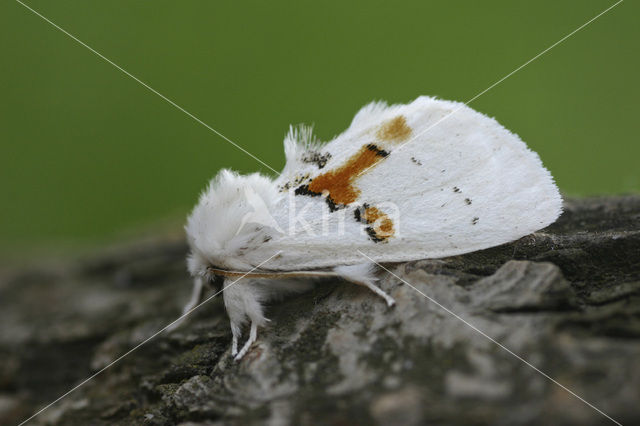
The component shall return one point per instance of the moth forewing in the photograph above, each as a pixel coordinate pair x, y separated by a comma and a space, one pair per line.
452, 179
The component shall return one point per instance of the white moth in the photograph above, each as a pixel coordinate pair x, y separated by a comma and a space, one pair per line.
428, 179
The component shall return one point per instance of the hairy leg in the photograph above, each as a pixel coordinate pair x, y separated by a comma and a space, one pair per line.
371, 286
235, 332
363, 274
243, 304
253, 335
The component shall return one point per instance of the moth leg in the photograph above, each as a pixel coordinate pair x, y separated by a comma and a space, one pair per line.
377, 290
196, 297
363, 274
243, 302
253, 335
234, 342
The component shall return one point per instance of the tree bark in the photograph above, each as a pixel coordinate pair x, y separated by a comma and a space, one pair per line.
566, 300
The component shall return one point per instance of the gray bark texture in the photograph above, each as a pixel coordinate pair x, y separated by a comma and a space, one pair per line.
469, 341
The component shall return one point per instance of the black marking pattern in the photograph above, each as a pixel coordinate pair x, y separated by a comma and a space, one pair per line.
317, 158
296, 181
373, 235
358, 213
378, 151
304, 190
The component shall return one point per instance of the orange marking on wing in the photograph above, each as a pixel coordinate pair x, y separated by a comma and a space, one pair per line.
339, 182
383, 225
395, 130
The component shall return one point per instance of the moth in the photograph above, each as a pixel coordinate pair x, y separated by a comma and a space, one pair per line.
428, 179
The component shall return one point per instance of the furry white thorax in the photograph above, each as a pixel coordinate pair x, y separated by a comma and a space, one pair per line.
221, 227
218, 230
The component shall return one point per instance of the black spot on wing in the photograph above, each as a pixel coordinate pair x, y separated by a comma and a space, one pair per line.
358, 213
374, 235
317, 158
332, 204
304, 190
295, 182
378, 151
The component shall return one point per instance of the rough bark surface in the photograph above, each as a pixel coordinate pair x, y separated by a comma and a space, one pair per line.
565, 299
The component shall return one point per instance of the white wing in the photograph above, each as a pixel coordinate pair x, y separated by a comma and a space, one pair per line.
444, 180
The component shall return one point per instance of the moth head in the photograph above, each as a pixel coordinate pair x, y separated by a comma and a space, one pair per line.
232, 215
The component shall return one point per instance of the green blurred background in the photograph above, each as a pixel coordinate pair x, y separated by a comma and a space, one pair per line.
88, 153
